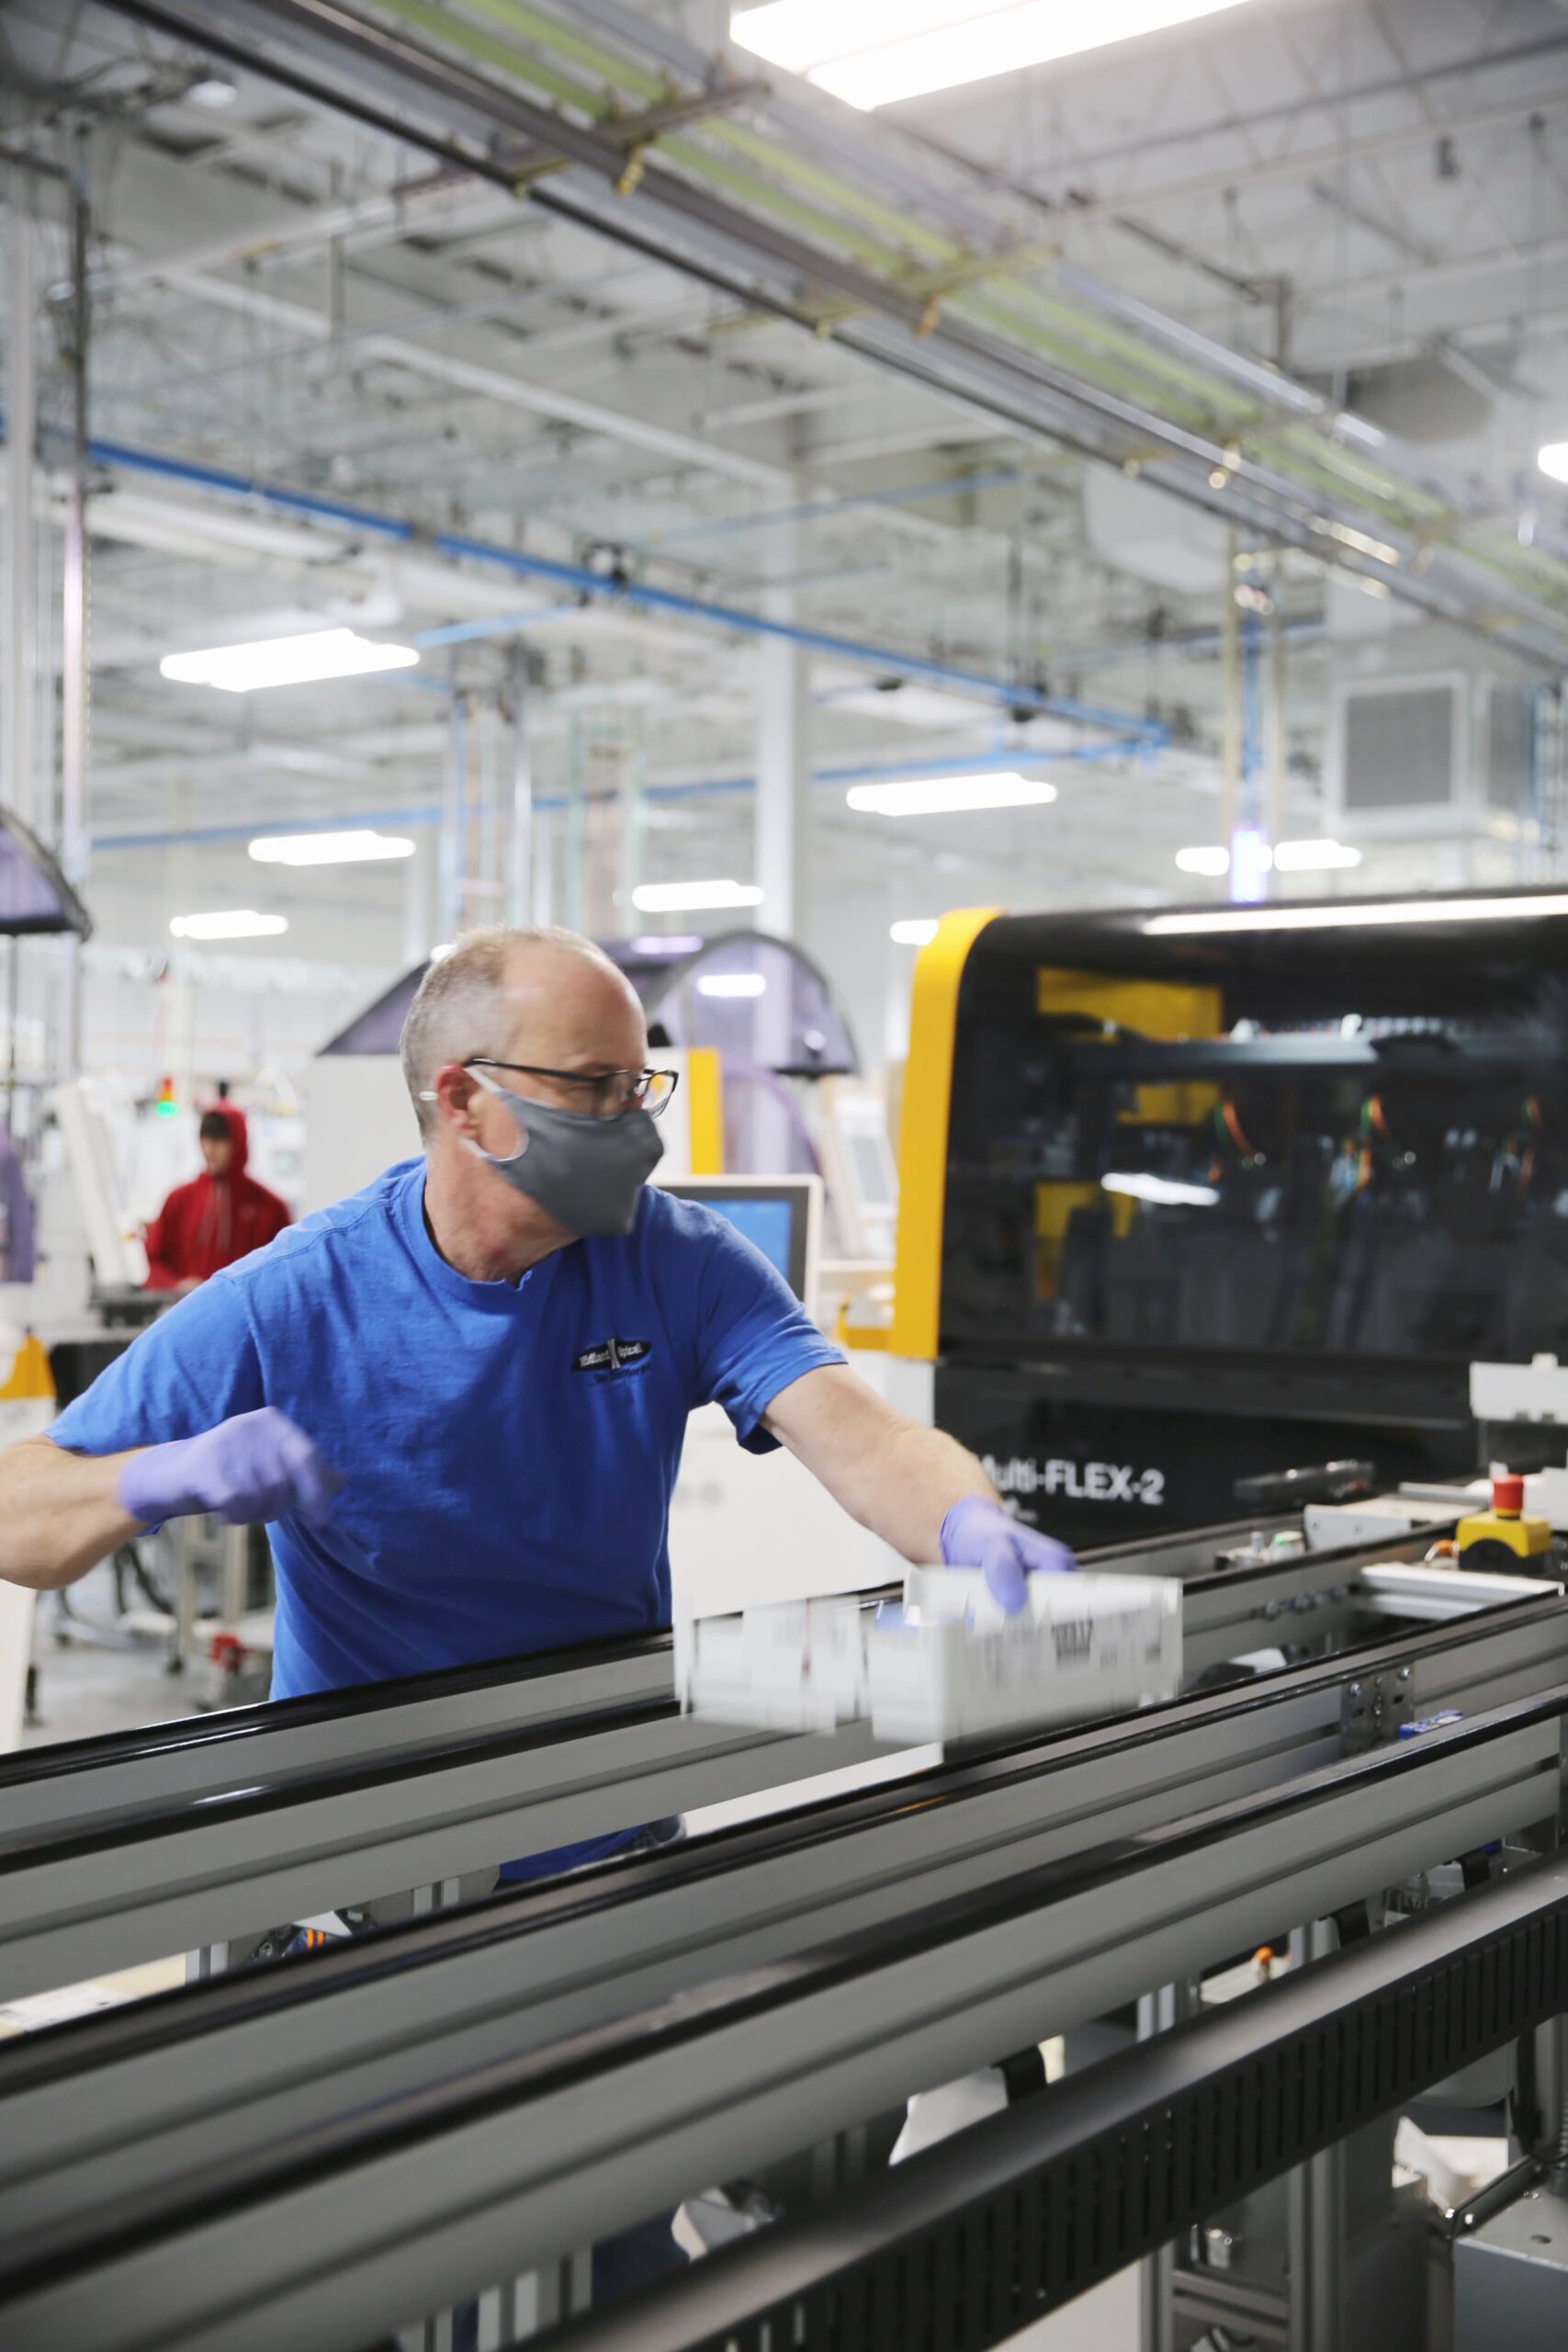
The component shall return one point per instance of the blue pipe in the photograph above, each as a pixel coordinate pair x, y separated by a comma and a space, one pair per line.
646, 598
501, 625
228, 485
578, 579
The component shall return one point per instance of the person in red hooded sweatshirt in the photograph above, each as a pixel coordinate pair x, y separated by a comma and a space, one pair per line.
217, 1218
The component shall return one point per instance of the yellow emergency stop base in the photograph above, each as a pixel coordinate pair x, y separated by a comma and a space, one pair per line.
1525, 1537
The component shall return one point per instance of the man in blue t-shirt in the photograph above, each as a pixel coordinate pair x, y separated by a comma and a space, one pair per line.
458, 1400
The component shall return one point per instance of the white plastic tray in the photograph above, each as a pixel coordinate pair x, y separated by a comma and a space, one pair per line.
948, 1664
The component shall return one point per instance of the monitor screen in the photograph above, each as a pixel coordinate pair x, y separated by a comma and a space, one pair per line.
765, 1224
773, 1213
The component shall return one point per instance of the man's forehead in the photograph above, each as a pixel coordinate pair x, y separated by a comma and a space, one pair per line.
552, 991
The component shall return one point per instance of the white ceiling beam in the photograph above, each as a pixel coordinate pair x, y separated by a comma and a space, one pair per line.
1152, 196
498, 384
417, 208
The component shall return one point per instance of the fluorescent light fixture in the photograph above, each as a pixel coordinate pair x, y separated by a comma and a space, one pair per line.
731, 984
355, 848
287, 661
667, 943
1214, 860
918, 930
948, 796
1161, 1190
1313, 857
1360, 914
235, 922
881, 51
211, 91
1553, 459
690, 898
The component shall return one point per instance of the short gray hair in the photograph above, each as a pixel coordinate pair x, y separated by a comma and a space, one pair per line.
459, 1007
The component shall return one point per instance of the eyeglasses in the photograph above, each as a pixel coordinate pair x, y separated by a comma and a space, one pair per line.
609, 1092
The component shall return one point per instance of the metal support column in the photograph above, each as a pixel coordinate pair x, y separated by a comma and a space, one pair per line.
1230, 746
520, 857
416, 901
1315, 2211
782, 788
455, 816
1157, 2012
631, 815
1279, 734
574, 848
76, 609
17, 659
783, 767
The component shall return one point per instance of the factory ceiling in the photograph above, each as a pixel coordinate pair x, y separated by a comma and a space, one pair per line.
988, 392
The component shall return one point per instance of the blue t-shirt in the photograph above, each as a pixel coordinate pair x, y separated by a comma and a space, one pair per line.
508, 1450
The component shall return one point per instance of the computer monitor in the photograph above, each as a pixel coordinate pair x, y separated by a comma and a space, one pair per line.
781, 1216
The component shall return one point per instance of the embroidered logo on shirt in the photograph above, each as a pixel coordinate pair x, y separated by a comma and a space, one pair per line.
612, 1356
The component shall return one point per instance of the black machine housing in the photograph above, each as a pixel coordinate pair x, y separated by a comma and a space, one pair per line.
1219, 1203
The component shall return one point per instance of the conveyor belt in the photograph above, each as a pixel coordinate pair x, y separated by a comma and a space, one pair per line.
371, 2218
190, 1758
77, 1782
117, 1851
268, 2053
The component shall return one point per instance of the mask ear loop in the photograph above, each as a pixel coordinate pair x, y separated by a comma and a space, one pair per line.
490, 1159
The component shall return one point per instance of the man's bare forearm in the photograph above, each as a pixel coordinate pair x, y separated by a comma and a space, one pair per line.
909, 1483
895, 1476
59, 1514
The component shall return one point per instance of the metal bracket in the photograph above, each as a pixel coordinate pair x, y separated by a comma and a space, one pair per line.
1373, 1707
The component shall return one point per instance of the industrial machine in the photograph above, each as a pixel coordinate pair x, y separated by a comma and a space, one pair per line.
1193, 1193
441, 2116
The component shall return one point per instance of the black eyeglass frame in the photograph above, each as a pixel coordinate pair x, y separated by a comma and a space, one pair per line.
582, 1077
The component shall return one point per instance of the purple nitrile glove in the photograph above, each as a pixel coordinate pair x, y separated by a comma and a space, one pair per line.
259, 1465
978, 1534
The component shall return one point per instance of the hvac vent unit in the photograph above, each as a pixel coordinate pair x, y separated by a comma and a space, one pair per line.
1442, 755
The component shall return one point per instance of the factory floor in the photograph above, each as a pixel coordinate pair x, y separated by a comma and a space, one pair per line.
91, 1677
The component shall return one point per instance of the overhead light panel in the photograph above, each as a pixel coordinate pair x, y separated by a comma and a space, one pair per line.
917, 930
692, 898
732, 984
667, 943
287, 661
361, 847
1213, 860
1553, 459
232, 923
948, 796
881, 51
1313, 857
1360, 914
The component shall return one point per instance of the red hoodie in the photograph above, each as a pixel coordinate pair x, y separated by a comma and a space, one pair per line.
213, 1221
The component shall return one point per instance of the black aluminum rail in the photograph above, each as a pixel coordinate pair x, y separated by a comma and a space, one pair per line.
972, 2240
344, 2168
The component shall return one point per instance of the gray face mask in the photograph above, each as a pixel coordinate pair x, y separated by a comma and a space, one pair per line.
583, 1171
